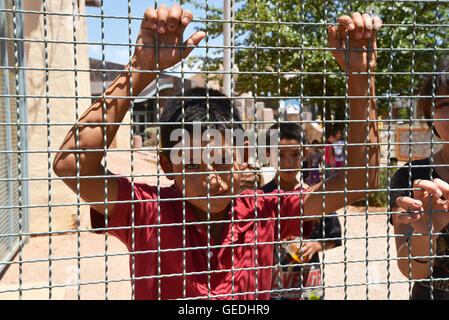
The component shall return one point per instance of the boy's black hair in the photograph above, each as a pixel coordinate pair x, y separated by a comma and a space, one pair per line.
441, 82
198, 103
287, 131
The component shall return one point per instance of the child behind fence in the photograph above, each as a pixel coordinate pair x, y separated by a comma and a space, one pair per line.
421, 254
297, 279
199, 237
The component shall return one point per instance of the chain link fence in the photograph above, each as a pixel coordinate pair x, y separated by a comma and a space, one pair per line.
273, 61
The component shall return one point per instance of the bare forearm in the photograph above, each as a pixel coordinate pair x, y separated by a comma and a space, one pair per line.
350, 179
359, 132
89, 133
373, 136
415, 254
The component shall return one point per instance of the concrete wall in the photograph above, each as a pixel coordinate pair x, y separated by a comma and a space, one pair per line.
61, 110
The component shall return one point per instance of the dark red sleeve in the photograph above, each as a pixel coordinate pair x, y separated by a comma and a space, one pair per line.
129, 210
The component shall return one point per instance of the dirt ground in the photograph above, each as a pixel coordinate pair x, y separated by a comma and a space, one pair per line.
52, 267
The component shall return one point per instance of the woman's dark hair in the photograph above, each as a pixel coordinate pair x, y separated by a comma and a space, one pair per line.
200, 105
436, 84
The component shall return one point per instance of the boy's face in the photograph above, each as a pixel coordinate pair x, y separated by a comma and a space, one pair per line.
289, 158
208, 176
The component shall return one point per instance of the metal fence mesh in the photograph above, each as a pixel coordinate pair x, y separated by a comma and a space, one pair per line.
273, 61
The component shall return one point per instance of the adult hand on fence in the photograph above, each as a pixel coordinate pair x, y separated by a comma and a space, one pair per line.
355, 32
428, 199
163, 28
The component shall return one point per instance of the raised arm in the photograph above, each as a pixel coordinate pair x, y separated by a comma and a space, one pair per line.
360, 30
166, 25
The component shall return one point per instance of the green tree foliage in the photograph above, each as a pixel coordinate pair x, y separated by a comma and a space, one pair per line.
281, 48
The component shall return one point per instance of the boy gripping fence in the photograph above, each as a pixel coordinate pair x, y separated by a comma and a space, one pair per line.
200, 238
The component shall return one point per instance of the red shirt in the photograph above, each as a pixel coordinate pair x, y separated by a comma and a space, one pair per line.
185, 267
327, 157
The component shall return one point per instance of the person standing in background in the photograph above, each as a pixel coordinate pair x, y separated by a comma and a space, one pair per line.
339, 156
314, 161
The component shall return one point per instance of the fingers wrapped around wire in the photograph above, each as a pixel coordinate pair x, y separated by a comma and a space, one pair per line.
429, 196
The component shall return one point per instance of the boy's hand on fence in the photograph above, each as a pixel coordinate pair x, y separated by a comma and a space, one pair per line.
426, 200
355, 32
164, 27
